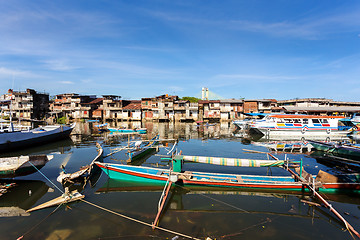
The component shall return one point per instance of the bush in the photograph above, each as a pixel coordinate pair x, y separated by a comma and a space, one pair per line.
61, 120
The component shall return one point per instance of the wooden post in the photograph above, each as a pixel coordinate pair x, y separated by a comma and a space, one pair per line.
161, 206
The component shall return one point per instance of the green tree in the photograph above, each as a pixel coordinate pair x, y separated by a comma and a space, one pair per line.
61, 120
191, 99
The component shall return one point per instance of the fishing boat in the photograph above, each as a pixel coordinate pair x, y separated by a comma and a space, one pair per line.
160, 176
300, 125
23, 165
85, 172
14, 140
92, 120
101, 127
141, 151
128, 130
347, 150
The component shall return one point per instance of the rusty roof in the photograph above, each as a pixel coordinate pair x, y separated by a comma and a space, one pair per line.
133, 105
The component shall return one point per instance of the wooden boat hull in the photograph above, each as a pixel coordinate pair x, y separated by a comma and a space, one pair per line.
23, 165
85, 172
145, 151
10, 141
120, 130
343, 150
158, 176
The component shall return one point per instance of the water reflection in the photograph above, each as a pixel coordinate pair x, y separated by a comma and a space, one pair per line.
206, 207
21, 197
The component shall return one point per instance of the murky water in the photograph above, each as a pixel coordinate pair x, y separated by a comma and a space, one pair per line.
196, 213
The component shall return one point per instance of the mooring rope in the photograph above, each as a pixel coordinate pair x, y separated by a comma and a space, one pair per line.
139, 221
21, 237
46, 178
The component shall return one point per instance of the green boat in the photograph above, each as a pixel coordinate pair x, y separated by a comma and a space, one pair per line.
344, 150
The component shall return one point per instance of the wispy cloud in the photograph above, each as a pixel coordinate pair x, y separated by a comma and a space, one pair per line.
176, 89
59, 65
263, 78
6, 72
66, 82
315, 27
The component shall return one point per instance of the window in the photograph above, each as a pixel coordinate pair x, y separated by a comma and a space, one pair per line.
316, 121
305, 121
288, 120
297, 121
324, 121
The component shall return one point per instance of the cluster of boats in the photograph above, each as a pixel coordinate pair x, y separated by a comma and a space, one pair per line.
293, 178
14, 138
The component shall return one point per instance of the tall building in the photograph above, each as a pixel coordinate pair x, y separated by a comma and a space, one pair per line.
28, 104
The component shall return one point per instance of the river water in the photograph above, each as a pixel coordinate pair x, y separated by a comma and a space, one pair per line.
196, 213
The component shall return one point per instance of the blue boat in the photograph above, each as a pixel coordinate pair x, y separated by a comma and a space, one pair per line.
140, 152
15, 140
128, 130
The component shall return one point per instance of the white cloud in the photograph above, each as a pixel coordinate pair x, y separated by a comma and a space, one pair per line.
66, 82
6, 72
175, 89
59, 65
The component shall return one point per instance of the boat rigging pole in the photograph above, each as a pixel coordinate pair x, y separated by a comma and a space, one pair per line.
316, 194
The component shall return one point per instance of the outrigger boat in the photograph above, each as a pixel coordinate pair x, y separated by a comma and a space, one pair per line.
297, 181
300, 125
128, 130
160, 176
141, 151
346, 150
84, 172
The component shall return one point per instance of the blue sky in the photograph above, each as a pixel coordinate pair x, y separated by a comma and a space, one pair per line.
253, 49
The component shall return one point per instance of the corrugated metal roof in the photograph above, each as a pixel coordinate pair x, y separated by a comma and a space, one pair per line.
133, 106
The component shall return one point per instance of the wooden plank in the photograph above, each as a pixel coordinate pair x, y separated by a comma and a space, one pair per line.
63, 199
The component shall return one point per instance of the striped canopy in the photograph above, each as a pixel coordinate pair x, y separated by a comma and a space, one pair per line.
238, 162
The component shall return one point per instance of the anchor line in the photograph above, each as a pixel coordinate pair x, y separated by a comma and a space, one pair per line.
31, 229
46, 178
139, 221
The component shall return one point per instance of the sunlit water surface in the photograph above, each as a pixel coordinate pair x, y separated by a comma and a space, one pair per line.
196, 213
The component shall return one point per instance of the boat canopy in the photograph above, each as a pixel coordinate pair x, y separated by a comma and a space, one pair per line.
238, 162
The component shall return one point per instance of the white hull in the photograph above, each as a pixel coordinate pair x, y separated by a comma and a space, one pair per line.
298, 135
